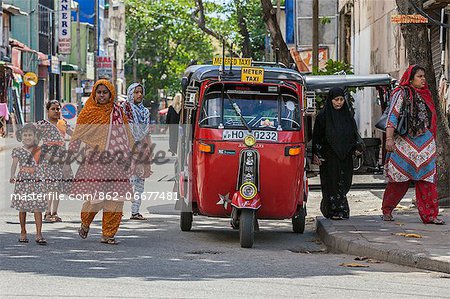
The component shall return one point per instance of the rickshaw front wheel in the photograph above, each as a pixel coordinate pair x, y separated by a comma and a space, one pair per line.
299, 221
247, 228
186, 221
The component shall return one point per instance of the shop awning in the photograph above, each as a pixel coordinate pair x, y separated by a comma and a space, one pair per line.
14, 10
16, 69
70, 68
43, 58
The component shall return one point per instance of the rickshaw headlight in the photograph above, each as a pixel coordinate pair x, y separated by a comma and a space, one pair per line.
206, 148
248, 190
249, 140
292, 151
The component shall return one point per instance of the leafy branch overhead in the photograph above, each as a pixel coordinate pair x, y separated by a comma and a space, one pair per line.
166, 35
238, 23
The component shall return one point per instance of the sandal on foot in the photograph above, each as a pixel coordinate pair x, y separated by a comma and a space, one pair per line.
41, 241
387, 217
56, 218
436, 221
109, 241
23, 240
83, 232
49, 218
137, 217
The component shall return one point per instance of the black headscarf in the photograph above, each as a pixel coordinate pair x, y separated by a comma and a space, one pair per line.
340, 125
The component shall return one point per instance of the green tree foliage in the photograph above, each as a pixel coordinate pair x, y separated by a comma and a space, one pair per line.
233, 20
252, 14
333, 67
167, 37
166, 41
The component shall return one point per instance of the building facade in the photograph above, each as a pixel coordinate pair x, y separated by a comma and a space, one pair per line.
374, 45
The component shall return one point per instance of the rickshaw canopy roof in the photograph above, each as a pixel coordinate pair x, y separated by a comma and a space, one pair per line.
271, 74
325, 83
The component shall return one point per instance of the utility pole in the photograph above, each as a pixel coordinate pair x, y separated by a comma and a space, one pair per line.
115, 75
135, 60
315, 39
78, 59
278, 11
95, 38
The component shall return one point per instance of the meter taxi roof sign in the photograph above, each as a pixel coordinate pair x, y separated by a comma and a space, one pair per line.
252, 75
236, 61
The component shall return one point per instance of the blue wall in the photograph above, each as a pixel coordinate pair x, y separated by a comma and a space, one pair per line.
290, 24
86, 10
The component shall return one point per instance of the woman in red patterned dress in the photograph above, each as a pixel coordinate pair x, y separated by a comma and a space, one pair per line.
412, 157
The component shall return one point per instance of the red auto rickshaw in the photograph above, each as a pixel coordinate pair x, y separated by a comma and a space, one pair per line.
241, 151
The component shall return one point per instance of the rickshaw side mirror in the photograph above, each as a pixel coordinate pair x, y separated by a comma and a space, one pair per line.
184, 83
190, 100
310, 102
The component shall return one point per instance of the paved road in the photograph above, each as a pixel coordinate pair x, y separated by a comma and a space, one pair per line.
156, 259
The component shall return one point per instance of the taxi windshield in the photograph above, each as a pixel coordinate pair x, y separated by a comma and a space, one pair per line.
261, 111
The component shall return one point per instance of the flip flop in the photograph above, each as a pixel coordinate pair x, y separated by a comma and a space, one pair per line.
436, 221
109, 241
56, 218
25, 240
387, 217
137, 217
83, 232
41, 241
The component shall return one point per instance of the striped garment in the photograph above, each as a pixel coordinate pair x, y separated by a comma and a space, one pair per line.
414, 158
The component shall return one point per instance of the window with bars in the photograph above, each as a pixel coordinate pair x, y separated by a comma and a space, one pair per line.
45, 20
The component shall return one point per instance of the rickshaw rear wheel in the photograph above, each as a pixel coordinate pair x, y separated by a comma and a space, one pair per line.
299, 221
186, 221
247, 228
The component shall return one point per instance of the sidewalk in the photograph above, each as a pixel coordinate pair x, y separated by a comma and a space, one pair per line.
8, 143
405, 241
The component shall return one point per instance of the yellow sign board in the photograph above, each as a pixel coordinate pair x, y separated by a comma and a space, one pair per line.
236, 61
252, 75
30, 79
408, 19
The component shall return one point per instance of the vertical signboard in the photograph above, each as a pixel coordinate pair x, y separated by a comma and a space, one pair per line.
104, 67
54, 65
64, 41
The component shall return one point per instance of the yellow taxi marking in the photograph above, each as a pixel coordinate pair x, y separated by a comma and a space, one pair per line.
252, 75
236, 61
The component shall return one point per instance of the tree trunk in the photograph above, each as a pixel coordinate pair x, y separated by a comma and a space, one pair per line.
201, 23
243, 30
418, 48
270, 18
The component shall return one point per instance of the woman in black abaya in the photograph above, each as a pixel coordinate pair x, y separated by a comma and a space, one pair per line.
334, 142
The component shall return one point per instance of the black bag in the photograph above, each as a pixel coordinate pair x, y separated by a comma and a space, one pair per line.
402, 125
360, 144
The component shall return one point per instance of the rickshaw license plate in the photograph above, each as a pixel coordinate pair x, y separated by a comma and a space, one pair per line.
259, 135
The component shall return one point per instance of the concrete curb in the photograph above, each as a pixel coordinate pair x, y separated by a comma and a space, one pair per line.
340, 243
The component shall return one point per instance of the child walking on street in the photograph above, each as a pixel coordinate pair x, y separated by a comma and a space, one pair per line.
27, 189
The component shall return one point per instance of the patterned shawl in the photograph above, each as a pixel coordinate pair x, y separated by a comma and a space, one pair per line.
137, 113
94, 122
422, 111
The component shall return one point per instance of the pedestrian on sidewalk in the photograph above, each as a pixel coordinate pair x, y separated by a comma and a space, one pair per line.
172, 120
139, 119
412, 157
57, 177
27, 197
103, 178
334, 143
